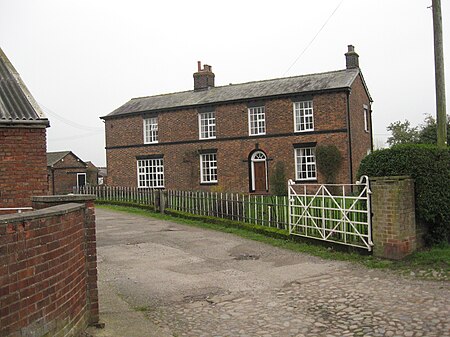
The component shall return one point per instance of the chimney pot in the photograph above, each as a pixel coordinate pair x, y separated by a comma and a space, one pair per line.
199, 65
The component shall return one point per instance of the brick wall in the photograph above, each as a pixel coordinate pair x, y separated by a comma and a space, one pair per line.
393, 222
361, 141
48, 271
23, 163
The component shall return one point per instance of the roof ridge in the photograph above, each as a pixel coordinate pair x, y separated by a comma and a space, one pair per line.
243, 83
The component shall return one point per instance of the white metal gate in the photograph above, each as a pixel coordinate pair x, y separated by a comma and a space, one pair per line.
336, 213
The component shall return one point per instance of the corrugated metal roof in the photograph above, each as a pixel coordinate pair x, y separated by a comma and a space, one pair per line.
17, 105
340, 79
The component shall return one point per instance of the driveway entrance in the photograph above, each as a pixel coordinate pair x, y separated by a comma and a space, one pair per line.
196, 282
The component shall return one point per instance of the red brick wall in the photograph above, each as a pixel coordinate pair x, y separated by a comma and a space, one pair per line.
46, 272
23, 163
361, 140
181, 160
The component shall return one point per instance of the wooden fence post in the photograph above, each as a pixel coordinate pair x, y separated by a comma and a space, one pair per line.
162, 201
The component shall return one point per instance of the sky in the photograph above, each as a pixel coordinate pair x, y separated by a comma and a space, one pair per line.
83, 59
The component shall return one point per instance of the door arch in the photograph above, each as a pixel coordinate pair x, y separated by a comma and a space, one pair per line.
258, 172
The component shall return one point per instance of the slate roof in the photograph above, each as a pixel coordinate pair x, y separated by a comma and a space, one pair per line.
334, 80
17, 105
54, 157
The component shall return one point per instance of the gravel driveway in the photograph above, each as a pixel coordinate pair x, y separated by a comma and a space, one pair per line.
197, 282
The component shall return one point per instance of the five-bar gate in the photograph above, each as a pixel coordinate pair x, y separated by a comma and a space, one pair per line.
336, 213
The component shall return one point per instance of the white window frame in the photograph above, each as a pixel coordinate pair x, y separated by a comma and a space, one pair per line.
303, 116
208, 168
207, 125
85, 179
150, 173
305, 156
257, 121
366, 118
151, 130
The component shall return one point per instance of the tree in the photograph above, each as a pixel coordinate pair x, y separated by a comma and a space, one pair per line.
426, 133
402, 133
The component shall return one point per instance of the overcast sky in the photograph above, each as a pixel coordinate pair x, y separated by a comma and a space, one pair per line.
83, 59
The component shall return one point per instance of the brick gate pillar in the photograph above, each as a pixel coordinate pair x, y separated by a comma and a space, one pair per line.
394, 222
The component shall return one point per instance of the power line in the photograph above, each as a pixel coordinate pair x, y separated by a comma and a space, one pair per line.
310, 42
84, 135
68, 121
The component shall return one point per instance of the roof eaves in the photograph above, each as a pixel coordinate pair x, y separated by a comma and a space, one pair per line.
193, 106
44, 122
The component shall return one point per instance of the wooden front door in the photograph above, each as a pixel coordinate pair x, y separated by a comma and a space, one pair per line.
260, 176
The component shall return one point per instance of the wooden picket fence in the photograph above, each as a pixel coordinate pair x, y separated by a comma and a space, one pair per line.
272, 211
122, 194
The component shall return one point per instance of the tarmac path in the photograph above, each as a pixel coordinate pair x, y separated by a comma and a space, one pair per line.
159, 278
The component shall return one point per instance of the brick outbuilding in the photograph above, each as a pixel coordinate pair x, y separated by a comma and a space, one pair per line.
66, 171
230, 138
22, 141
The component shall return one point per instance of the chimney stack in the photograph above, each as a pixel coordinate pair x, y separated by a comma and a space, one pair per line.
351, 58
203, 78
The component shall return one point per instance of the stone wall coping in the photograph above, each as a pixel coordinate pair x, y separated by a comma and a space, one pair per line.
390, 178
41, 213
64, 198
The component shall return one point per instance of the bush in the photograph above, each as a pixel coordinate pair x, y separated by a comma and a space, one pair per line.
329, 161
278, 180
429, 166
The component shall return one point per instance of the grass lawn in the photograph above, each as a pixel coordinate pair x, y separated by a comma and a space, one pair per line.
432, 263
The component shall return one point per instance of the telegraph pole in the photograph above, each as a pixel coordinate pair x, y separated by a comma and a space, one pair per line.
441, 113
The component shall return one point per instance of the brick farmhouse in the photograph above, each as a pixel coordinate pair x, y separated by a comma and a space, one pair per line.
230, 138
23, 145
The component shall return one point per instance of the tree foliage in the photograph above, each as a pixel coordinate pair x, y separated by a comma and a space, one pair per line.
429, 166
402, 133
426, 133
329, 161
278, 180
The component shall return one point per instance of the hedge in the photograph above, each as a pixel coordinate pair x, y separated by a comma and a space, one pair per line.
429, 166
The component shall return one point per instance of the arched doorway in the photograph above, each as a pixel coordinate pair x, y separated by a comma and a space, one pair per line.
258, 172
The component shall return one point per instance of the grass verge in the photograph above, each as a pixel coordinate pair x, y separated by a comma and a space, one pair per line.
433, 263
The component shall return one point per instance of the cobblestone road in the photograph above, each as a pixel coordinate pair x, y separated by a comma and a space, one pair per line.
194, 282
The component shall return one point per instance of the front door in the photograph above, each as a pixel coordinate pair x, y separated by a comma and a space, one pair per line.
81, 179
260, 176
259, 172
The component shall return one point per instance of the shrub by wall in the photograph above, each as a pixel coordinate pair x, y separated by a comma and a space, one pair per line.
429, 166
329, 161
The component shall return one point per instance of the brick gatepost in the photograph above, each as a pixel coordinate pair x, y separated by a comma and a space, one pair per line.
394, 222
